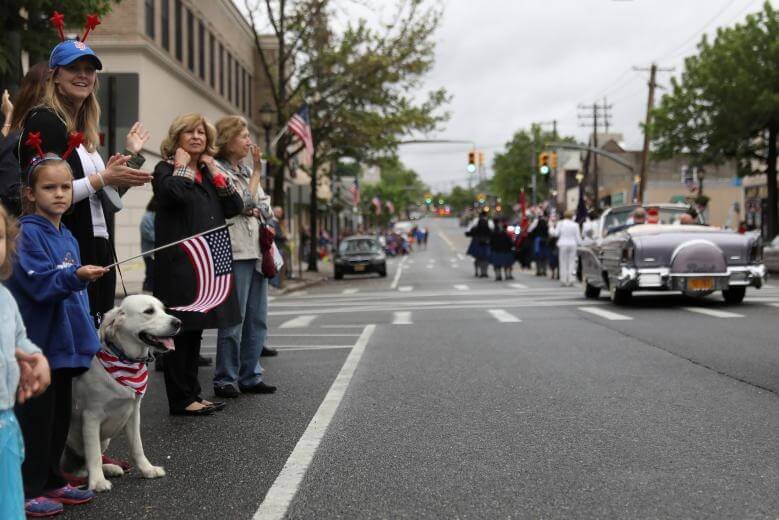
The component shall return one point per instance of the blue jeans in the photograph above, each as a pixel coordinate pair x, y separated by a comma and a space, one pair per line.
238, 348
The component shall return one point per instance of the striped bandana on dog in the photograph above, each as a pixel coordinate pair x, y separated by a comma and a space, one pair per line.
132, 375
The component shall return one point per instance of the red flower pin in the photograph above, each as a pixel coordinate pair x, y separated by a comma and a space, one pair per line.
74, 141
93, 21
34, 141
58, 21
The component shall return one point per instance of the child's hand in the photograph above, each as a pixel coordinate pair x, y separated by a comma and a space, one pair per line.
35, 375
6, 107
90, 273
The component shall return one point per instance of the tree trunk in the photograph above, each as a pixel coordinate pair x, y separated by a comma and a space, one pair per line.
313, 251
773, 211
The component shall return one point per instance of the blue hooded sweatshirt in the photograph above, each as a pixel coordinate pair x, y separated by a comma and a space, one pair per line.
52, 299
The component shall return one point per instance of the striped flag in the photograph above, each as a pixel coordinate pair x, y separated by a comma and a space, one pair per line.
354, 189
212, 259
376, 201
300, 125
390, 207
131, 375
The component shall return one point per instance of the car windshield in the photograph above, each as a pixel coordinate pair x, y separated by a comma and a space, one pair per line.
361, 245
620, 218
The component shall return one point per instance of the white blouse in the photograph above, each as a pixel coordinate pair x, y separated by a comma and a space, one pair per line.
92, 164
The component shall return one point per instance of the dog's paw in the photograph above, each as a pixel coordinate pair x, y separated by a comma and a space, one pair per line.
152, 471
100, 485
112, 470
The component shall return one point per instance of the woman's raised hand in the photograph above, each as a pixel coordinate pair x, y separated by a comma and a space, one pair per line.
210, 163
6, 106
117, 173
181, 158
136, 138
256, 157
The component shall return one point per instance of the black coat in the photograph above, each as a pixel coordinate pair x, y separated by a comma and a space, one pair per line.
500, 241
184, 208
10, 174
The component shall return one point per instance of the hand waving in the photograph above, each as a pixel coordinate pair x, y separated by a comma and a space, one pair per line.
136, 138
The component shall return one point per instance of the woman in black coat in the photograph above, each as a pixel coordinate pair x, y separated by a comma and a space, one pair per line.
192, 197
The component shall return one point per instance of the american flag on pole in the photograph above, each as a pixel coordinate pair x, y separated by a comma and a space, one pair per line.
300, 125
376, 201
212, 259
355, 191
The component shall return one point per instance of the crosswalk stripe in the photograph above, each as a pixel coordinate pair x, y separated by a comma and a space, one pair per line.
460, 256
349, 291
519, 286
603, 313
406, 288
774, 304
461, 287
300, 321
503, 316
429, 266
401, 318
714, 313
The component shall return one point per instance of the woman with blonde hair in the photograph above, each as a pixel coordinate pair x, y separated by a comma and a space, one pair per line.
70, 107
238, 348
192, 196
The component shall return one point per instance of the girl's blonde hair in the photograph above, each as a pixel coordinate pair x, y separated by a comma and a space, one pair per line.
87, 121
568, 214
11, 232
227, 129
185, 123
28, 206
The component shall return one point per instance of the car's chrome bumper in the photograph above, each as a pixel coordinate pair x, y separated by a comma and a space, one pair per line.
661, 278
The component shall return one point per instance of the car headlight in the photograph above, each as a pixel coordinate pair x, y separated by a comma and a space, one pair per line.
628, 254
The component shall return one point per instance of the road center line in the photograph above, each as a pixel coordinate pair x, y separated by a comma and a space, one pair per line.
286, 485
300, 321
401, 318
714, 313
603, 313
446, 239
398, 273
503, 316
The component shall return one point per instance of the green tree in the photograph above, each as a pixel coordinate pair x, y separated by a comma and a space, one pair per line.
460, 198
26, 27
725, 105
399, 185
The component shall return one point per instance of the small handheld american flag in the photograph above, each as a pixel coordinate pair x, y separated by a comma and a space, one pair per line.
212, 259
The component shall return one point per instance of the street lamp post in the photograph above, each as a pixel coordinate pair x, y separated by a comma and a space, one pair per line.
266, 120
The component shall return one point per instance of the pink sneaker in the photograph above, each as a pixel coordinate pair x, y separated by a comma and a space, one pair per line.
42, 507
70, 495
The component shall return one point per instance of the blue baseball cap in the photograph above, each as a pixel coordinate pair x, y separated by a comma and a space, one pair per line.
69, 51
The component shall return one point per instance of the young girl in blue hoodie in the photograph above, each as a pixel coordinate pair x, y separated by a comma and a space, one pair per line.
24, 373
49, 285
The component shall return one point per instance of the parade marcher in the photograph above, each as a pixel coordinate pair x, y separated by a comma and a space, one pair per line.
479, 248
568, 239
501, 250
49, 283
539, 234
238, 347
192, 197
30, 94
70, 105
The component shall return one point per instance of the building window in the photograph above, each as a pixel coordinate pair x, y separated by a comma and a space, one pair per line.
201, 50
229, 78
149, 13
237, 97
211, 60
221, 70
243, 93
165, 29
249, 96
190, 40
179, 30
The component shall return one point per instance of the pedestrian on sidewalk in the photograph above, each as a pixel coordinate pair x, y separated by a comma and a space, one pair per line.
192, 197
568, 240
479, 248
238, 347
501, 250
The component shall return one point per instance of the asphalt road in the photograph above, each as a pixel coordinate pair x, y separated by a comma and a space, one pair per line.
434, 394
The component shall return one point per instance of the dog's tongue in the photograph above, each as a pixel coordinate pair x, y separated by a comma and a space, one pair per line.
167, 343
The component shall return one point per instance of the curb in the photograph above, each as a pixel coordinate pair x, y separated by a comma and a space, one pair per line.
300, 286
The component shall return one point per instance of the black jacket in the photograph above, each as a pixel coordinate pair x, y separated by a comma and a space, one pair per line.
10, 174
500, 241
184, 208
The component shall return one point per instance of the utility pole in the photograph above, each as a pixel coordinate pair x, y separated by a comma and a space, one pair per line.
603, 111
649, 106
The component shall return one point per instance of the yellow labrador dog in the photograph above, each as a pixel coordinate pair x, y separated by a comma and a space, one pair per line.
107, 397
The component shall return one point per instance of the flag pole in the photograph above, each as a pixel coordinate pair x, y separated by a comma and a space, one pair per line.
278, 136
150, 251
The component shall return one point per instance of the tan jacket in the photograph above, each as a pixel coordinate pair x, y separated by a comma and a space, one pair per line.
244, 232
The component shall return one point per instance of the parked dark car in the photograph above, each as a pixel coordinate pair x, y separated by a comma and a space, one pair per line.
668, 256
360, 255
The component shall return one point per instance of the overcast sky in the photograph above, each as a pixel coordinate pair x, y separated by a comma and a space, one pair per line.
508, 63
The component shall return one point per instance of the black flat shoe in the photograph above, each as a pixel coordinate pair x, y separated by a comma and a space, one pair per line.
203, 361
228, 391
259, 388
268, 352
216, 405
207, 410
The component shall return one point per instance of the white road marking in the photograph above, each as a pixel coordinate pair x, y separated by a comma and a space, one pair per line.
286, 485
349, 291
518, 286
446, 239
713, 313
429, 266
460, 256
343, 326
395, 280
603, 313
503, 316
300, 321
311, 347
774, 304
401, 318
314, 335
767, 286
461, 287
406, 288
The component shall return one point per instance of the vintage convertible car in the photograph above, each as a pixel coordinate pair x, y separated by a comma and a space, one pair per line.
667, 256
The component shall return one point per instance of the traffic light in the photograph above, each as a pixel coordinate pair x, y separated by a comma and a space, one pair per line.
428, 198
553, 160
471, 162
543, 163
481, 159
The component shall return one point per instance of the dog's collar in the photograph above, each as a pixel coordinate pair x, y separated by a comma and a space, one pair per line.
124, 358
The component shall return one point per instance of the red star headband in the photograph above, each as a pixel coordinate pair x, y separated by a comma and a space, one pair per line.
58, 22
35, 142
